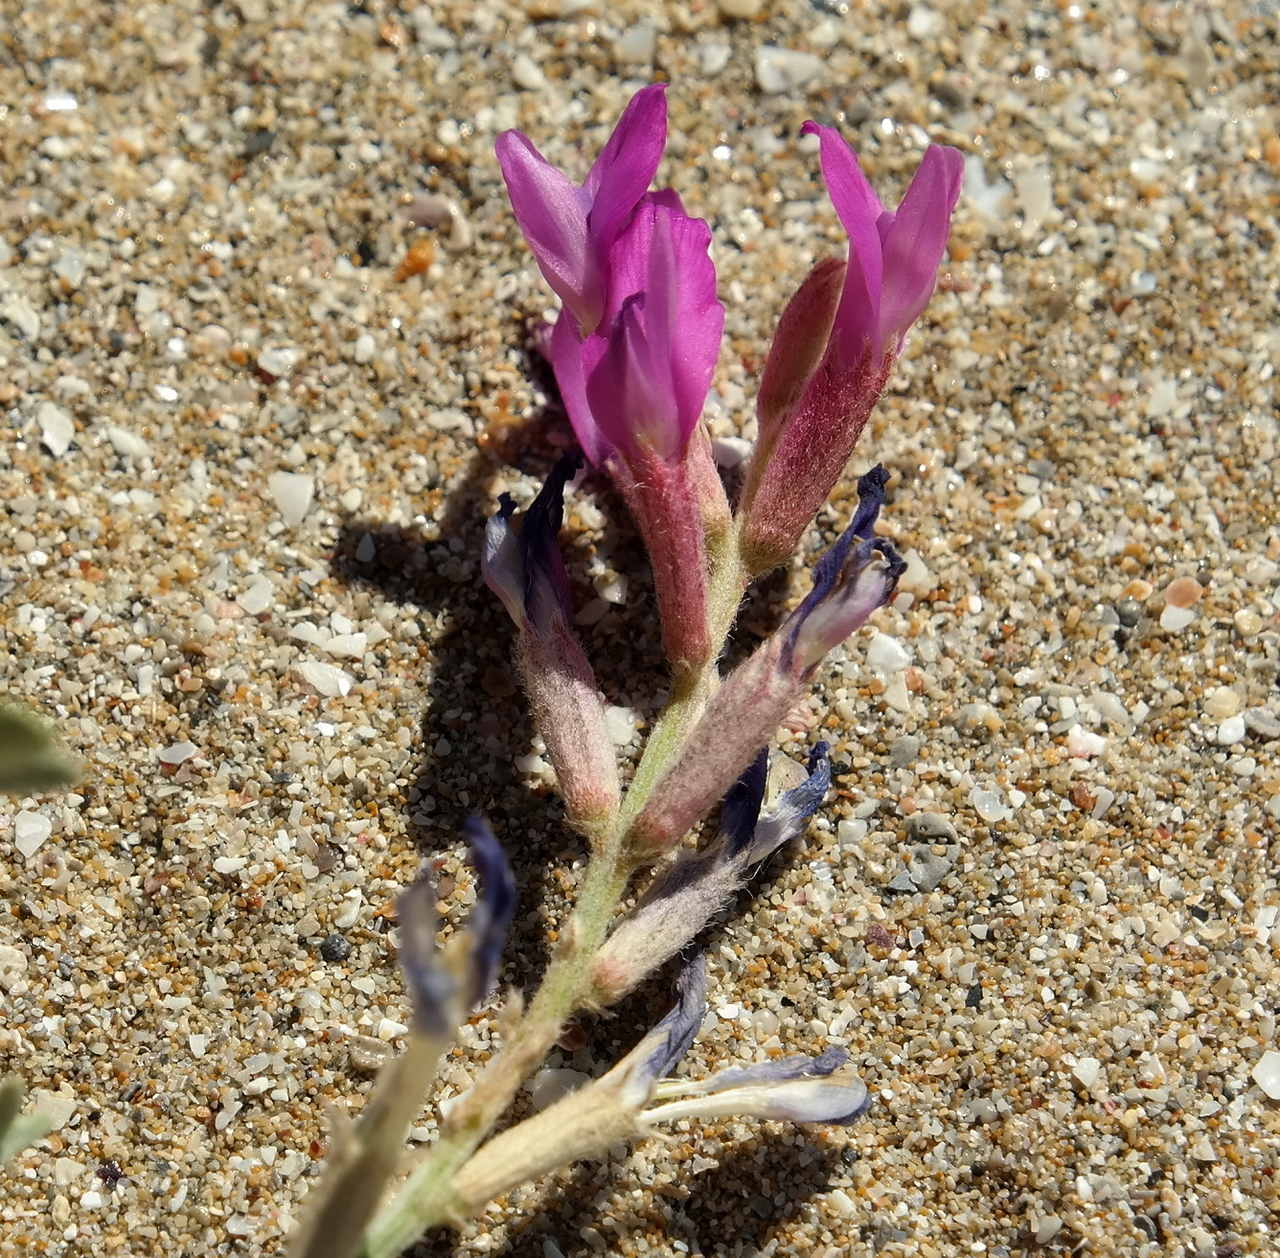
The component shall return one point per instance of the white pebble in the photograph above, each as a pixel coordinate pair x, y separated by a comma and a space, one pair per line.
621, 724
1087, 1071
730, 452
887, 655
229, 864
70, 267
637, 44
549, 1085
1222, 702
712, 58
292, 492
350, 645
527, 73
127, 444
1047, 1229
363, 350
784, 70
1084, 744
989, 805
1175, 619
326, 679
279, 360
30, 830
923, 22
56, 428
1266, 1073
258, 597
176, 753
1231, 731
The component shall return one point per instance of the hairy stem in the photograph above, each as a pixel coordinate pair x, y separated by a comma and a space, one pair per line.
429, 1196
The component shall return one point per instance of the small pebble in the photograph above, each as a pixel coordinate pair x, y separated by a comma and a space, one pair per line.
177, 753
1263, 722
784, 70
329, 681
930, 825
127, 444
292, 492
278, 361
739, 8
887, 655
1231, 731
334, 948
1266, 1073
1183, 592
527, 74
1129, 612
637, 44
923, 23
1174, 618
1222, 702
989, 805
57, 430
904, 750
1084, 744
30, 830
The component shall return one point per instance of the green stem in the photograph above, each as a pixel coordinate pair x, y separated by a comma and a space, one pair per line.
428, 1196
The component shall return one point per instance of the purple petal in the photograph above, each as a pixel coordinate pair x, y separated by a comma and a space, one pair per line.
546, 584
521, 561
915, 241
501, 562
847, 584
741, 808
783, 1070
860, 210
786, 818
495, 905
552, 213
673, 1035
626, 165
570, 358
432, 988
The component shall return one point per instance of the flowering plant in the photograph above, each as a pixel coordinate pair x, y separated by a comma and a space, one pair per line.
633, 351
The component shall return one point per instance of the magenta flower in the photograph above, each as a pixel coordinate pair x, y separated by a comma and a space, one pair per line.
837, 341
570, 228
651, 365
893, 257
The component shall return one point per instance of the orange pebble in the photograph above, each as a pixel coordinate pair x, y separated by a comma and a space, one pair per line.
1183, 592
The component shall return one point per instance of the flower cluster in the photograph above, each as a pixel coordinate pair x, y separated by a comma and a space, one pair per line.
634, 350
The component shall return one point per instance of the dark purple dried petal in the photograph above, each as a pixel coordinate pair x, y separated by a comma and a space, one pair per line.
673, 1035
432, 988
494, 908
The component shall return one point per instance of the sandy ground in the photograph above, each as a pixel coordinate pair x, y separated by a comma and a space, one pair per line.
1041, 911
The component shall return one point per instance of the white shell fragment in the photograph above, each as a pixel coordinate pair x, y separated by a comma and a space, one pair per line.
30, 830
57, 430
1266, 1073
326, 679
292, 492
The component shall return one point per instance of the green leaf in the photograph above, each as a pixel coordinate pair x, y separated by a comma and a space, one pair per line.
18, 1130
31, 762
